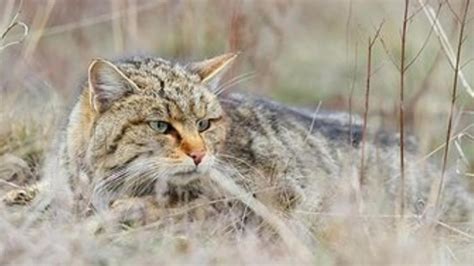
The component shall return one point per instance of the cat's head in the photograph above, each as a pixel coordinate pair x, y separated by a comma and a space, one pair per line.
148, 117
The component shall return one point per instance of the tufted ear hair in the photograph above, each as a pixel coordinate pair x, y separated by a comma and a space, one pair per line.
107, 84
211, 70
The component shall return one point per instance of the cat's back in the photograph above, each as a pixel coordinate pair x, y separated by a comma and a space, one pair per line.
255, 113
336, 128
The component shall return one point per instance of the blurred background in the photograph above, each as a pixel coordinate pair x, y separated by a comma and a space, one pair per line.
304, 53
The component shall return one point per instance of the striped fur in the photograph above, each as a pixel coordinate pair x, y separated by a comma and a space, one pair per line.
289, 159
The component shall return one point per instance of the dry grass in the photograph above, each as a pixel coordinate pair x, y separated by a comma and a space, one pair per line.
300, 52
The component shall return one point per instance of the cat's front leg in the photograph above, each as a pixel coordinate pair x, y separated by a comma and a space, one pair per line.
132, 212
124, 213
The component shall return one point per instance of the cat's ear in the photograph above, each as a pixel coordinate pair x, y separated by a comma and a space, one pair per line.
211, 70
106, 84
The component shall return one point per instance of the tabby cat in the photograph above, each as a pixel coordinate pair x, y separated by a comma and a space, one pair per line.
150, 131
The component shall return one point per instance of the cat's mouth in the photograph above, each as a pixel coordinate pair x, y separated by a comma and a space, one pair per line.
184, 176
191, 172
187, 172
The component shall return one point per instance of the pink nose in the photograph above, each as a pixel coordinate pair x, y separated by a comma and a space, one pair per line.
197, 156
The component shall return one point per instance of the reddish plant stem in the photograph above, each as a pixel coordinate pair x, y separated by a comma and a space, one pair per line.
367, 95
453, 104
401, 109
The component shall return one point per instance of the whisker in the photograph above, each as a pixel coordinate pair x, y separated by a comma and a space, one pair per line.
137, 180
256, 170
236, 78
234, 81
149, 181
118, 182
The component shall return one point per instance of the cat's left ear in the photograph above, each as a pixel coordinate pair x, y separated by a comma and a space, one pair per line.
211, 70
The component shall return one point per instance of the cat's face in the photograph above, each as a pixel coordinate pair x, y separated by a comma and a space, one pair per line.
154, 120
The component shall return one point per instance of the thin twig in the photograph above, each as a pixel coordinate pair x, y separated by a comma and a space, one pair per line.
453, 104
92, 21
424, 87
367, 94
351, 93
403, 69
408, 65
456, 17
445, 44
460, 134
453, 229
467, 63
10, 184
14, 23
387, 52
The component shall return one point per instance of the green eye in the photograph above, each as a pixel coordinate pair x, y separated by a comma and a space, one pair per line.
160, 126
203, 125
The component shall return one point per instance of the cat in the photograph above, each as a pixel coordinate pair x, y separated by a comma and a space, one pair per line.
148, 132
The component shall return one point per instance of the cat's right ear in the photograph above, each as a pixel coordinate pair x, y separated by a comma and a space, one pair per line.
106, 84
211, 70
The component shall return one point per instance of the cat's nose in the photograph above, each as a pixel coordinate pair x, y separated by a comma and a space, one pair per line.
197, 156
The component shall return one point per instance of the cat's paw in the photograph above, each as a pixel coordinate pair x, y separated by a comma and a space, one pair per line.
23, 196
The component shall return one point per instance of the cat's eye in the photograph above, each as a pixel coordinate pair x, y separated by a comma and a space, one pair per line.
203, 125
160, 126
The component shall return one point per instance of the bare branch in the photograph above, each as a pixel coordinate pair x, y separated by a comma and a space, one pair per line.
14, 23
425, 84
410, 18
467, 63
445, 44
402, 107
389, 55
408, 65
456, 16
371, 43
351, 94
440, 185
92, 21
